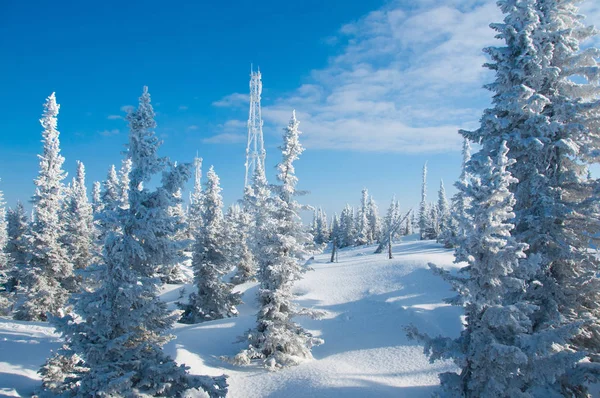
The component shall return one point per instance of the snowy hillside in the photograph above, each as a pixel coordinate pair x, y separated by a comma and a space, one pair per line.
368, 300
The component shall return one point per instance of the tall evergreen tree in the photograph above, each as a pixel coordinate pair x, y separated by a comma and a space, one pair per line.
499, 352
96, 197
277, 341
118, 330
459, 222
550, 122
195, 209
424, 210
443, 213
4, 260
50, 272
239, 223
211, 260
79, 228
374, 220
124, 182
363, 229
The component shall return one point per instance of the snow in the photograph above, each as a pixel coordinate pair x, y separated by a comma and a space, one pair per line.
368, 300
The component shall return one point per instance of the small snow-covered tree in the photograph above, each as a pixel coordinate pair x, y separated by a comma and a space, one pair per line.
321, 231
118, 330
17, 247
111, 194
195, 208
424, 210
459, 221
374, 220
277, 341
124, 182
347, 227
363, 229
5, 268
211, 260
79, 227
96, 197
239, 223
49, 276
443, 213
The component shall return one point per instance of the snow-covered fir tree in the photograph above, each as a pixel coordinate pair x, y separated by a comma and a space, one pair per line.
347, 227
111, 193
124, 182
443, 213
5, 269
277, 341
17, 246
459, 222
424, 210
239, 223
374, 220
363, 228
211, 260
321, 231
195, 208
49, 276
114, 340
545, 105
97, 197
79, 227
499, 353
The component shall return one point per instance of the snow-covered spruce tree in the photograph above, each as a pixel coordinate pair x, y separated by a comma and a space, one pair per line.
443, 213
5, 268
211, 261
321, 232
195, 209
459, 223
363, 229
17, 247
239, 223
424, 211
118, 330
374, 220
49, 275
347, 227
550, 122
499, 353
124, 182
277, 341
96, 197
79, 227
335, 229
175, 273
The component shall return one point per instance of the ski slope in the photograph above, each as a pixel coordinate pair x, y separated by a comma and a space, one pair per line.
368, 300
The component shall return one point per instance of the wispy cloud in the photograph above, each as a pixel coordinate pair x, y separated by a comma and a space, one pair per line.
114, 117
183, 107
406, 80
231, 132
225, 138
127, 108
232, 100
108, 133
193, 127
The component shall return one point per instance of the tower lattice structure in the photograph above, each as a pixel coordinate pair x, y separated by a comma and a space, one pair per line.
255, 151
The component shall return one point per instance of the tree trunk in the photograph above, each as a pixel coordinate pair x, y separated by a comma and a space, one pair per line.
333, 253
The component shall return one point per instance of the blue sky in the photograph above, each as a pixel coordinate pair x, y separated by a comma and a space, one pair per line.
379, 87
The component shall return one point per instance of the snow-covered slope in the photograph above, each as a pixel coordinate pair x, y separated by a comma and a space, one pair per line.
368, 300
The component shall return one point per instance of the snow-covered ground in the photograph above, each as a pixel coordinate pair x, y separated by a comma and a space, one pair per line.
368, 300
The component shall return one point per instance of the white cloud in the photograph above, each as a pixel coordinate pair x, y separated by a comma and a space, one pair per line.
114, 117
127, 108
232, 100
225, 138
406, 80
183, 107
193, 127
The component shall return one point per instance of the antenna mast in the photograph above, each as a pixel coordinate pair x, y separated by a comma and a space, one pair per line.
255, 151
